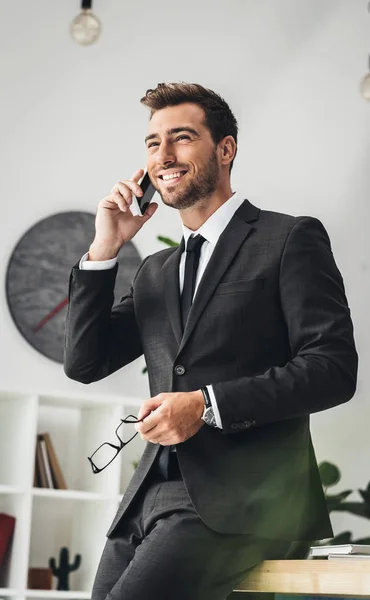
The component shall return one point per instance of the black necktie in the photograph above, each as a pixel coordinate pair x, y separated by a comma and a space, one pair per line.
193, 248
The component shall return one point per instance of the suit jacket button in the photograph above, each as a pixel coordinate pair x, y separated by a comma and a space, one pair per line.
234, 425
179, 370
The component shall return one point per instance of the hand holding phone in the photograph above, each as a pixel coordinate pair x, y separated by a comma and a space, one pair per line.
141, 203
116, 223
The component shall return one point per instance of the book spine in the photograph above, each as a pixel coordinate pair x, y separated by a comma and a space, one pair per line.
36, 474
56, 471
40, 466
7, 524
46, 462
349, 557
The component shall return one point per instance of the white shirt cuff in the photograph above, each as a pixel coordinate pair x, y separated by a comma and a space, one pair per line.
216, 412
96, 265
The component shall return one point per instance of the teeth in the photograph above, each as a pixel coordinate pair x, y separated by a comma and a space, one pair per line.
172, 176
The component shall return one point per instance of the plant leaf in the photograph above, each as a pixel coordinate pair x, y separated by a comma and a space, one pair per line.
298, 550
167, 240
362, 541
355, 508
329, 473
341, 538
365, 496
332, 502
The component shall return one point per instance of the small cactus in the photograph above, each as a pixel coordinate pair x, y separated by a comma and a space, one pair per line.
62, 572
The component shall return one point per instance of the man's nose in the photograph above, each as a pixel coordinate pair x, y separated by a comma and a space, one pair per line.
165, 155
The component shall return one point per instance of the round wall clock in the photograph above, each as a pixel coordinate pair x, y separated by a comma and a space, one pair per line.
37, 277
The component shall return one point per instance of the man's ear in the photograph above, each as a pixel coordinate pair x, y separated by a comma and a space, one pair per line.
228, 149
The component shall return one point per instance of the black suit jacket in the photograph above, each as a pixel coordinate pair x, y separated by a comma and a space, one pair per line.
270, 329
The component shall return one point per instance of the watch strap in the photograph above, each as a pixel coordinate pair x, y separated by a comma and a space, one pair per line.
206, 396
208, 415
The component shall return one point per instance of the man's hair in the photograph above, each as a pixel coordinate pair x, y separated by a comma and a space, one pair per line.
218, 116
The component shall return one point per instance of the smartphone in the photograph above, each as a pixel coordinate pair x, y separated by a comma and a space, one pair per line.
140, 204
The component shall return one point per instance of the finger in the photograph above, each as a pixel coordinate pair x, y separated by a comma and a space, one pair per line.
149, 211
150, 422
126, 189
151, 435
120, 201
148, 406
143, 412
157, 441
158, 438
137, 175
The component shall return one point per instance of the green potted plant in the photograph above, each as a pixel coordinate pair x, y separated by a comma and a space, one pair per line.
330, 476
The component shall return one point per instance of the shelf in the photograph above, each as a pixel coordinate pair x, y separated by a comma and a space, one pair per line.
74, 495
49, 519
50, 396
11, 489
8, 592
56, 594
87, 400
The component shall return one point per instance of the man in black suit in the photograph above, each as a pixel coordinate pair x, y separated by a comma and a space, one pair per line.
245, 329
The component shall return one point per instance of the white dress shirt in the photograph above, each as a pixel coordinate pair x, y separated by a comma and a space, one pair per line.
211, 231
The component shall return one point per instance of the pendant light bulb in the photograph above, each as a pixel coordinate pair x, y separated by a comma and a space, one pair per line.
85, 28
365, 84
365, 87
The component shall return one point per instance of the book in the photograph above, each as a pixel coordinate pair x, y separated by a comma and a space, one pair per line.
39, 579
56, 472
7, 525
342, 549
45, 458
41, 470
348, 556
36, 476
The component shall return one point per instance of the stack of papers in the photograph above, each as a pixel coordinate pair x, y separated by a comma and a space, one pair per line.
344, 551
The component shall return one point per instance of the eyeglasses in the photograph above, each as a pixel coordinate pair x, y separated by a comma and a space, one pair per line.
107, 452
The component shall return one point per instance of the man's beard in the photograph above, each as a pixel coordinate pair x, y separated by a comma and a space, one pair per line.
200, 187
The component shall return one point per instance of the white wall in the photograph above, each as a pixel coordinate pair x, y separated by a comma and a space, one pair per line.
71, 124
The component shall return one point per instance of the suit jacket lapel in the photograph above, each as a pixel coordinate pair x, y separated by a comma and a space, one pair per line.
227, 246
170, 283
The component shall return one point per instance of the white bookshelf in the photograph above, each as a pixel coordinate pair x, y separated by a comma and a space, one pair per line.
47, 519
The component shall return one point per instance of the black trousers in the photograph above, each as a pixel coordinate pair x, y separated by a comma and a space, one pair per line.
162, 550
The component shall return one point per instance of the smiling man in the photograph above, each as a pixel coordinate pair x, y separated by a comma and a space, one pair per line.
245, 329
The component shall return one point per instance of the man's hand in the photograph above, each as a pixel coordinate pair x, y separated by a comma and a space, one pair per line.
114, 223
171, 418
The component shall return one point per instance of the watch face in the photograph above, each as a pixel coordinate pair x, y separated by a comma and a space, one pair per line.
209, 417
37, 278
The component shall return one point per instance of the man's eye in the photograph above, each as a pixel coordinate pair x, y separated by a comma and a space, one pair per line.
151, 144
183, 137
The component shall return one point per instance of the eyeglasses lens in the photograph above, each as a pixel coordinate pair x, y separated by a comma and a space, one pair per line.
107, 452
104, 455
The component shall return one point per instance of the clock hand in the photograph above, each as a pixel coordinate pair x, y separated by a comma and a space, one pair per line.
51, 314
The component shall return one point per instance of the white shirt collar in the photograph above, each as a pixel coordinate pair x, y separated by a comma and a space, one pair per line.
216, 223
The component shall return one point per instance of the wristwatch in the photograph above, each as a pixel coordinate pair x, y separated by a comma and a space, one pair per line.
208, 415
